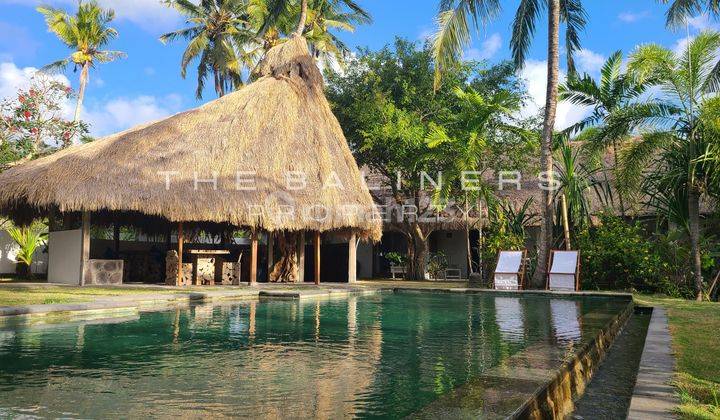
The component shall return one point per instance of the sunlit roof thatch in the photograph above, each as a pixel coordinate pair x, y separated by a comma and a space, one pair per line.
280, 124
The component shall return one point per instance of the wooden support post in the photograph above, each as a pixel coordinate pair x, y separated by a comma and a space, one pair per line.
253, 258
352, 259
181, 240
270, 254
84, 246
301, 257
316, 249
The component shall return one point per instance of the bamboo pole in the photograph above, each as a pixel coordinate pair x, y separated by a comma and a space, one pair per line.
352, 259
301, 257
253, 258
566, 223
181, 240
316, 248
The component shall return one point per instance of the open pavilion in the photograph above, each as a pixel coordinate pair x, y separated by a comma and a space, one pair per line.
268, 160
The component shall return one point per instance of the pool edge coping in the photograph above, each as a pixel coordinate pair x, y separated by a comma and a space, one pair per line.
654, 395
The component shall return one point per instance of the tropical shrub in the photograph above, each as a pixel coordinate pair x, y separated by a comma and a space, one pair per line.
616, 255
396, 258
28, 238
506, 230
437, 264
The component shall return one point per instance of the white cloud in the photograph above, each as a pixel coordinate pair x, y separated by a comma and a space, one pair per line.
589, 61
119, 114
632, 17
14, 78
702, 22
535, 75
104, 117
487, 50
151, 15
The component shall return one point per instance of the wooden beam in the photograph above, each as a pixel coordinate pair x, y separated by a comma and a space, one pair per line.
181, 240
316, 248
301, 257
352, 259
84, 246
253, 258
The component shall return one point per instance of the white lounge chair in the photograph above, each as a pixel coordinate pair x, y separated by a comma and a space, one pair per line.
564, 271
510, 270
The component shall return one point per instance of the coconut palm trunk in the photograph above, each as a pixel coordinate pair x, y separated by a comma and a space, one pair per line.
694, 221
546, 160
303, 18
84, 77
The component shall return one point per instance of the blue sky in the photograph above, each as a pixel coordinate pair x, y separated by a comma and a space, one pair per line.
147, 84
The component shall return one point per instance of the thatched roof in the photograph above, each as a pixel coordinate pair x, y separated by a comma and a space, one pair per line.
276, 126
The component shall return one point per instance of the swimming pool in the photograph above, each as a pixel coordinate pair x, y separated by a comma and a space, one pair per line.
380, 355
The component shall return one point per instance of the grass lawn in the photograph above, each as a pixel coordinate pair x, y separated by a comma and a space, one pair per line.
14, 295
694, 327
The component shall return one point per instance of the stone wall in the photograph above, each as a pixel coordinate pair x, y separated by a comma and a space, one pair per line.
103, 272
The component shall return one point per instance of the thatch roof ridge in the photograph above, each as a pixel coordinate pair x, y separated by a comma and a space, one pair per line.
279, 124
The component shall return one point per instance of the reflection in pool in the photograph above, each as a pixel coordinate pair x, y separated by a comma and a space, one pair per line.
387, 354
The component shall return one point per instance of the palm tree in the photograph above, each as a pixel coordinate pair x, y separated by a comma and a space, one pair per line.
680, 10
454, 21
611, 92
85, 33
671, 129
218, 36
279, 20
466, 142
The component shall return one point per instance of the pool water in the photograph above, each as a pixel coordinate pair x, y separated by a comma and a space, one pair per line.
381, 355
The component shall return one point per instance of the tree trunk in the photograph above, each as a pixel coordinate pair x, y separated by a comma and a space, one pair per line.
417, 254
694, 220
303, 18
546, 161
615, 164
84, 77
467, 240
285, 268
219, 84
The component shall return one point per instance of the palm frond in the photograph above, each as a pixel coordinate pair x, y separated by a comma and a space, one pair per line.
453, 29
574, 16
523, 29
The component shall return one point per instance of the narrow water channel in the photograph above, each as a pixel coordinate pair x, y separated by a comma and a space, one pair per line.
609, 393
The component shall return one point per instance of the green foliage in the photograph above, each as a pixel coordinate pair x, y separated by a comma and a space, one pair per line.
617, 256
396, 258
28, 238
506, 230
228, 37
437, 264
578, 180
31, 123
